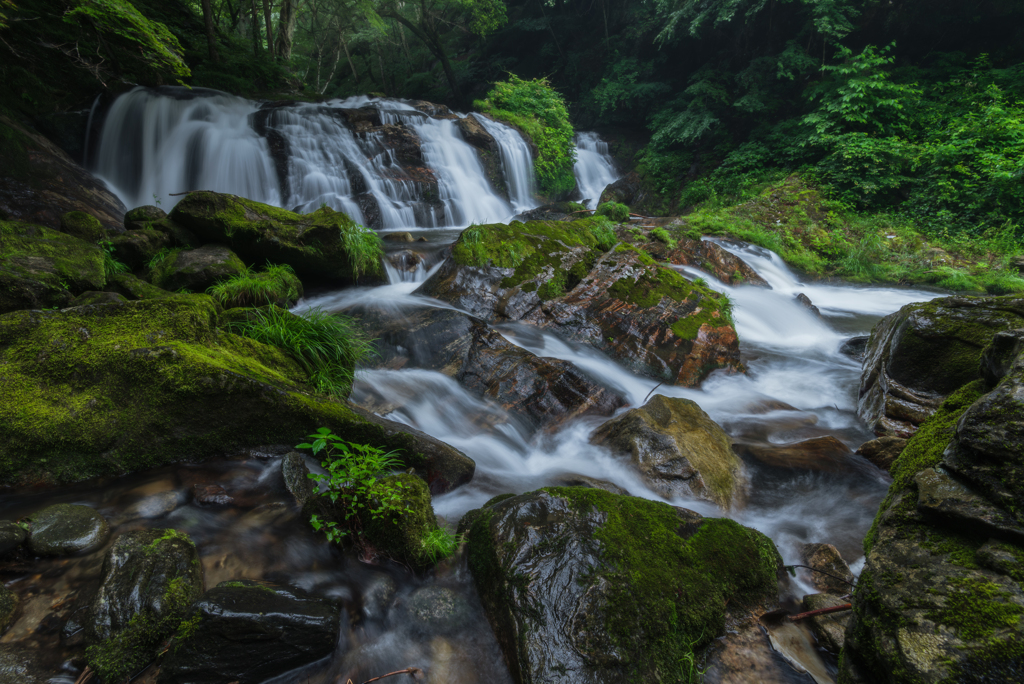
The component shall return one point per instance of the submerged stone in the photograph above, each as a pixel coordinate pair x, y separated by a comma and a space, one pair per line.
64, 529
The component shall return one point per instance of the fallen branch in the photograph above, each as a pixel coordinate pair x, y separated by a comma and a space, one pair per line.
827, 574
86, 675
821, 611
416, 672
187, 192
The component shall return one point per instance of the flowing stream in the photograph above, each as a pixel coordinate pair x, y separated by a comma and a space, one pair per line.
594, 168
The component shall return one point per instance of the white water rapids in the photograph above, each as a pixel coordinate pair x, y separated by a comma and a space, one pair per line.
594, 169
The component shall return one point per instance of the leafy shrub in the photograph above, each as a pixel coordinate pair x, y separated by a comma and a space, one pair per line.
326, 345
354, 479
276, 284
661, 235
537, 109
615, 211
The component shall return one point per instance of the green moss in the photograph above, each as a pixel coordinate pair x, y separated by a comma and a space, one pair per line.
400, 536
39, 266
274, 285
615, 211
977, 609
82, 226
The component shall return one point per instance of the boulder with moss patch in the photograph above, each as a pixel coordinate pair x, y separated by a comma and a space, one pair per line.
150, 579
133, 288
196, 269
400, 536
583, 585
325, 245
117, 388
941, 596
136, 248
678, 449
82, 226
64, 529
43, 268
921, 353
570, 277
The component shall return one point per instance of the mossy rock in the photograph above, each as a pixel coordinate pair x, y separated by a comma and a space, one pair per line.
599, 587
132, 287
317, 245
917, 356
136, 247
400, 536
82, 226
65, 529
143, 217
196, 269
150, 580
43, 268
92, 297
118, 388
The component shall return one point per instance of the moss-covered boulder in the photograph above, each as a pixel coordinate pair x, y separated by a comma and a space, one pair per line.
43, 268
91, 297
196, 269
570, 277
678, 449
150, 579
400, 536
143, 217
583, 585
132, 287
117, 388
137, 247
326, 245
82, 226
921, 353
941, 596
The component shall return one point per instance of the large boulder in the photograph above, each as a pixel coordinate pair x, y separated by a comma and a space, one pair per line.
678, 449
136, 248
196, 269
64, 529
325, 245
541, 392
941, 596
132, 287
40, 183
583, 585
82, 226
116, 388
248, 632
921, 353
43, 268
571, 278
683, 249
150, 579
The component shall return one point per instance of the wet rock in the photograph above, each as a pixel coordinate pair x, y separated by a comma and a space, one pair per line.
247, 632
22, 665
921, 353
806, 302
795, 643
743, 655
40, 183
556, 211
951, 504
92, 297
882, 451
143, 217
180, 237
621, 302
134, 288
196, 269
402, 236
405, 260
697, 253
826, 558
678, 449
136, 247
637, 193
826, 454
584, 585
139, 384
855, 347
436, 610
41, 268
400, 536
296, 477
829, 629
150, 579
313, 244
64, 529
593, 482
998, 357
82, 226
210, 495
12, 536
378, 595
8, 608
475, 134
152, 507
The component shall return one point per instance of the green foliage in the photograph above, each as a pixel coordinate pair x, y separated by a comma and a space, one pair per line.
536, 108
354, 483
662, 235
111, 264
615, 211
276, 284
327, 346
160, 257
5, 6
440, 543
126, 27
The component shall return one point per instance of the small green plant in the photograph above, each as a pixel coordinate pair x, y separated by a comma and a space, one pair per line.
615, 211
354, 480
662, 235
276, 284
111, 264
440, 543
160, 257
326, 345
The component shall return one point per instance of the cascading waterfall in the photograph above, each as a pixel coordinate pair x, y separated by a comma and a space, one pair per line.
594, 168
516, 161
156, 143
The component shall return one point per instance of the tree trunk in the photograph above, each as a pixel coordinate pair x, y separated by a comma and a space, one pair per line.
256, 37
349, 57
270, 28
211, 39
285, 30
433, 43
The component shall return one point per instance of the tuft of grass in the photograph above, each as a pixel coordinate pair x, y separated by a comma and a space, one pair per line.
440, 543
326, 345
111, 264
276, 284
615, 211
161, 256
364, 248
662, 235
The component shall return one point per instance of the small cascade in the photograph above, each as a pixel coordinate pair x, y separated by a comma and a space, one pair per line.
594, 168
516, 162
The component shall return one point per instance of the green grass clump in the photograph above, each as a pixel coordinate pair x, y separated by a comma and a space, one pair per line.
111, 264
276, 284
615, 211
662, 235
326, 345
440, 543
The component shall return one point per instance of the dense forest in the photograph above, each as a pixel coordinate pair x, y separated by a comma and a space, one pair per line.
905, 116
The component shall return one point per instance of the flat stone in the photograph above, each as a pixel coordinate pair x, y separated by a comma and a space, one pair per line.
882, 451
211, 495
437, 610
151, 507
946, 500
64, 529
12, 536
398, 237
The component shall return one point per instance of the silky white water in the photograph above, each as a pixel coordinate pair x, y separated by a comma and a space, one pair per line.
516, 161
594, 168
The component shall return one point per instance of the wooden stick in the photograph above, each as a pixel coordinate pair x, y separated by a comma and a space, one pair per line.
86, 675
408, 670
187, 192
821, 611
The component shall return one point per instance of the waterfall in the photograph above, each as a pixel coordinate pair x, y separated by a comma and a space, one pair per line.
516, 162
157, 143
594, 168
